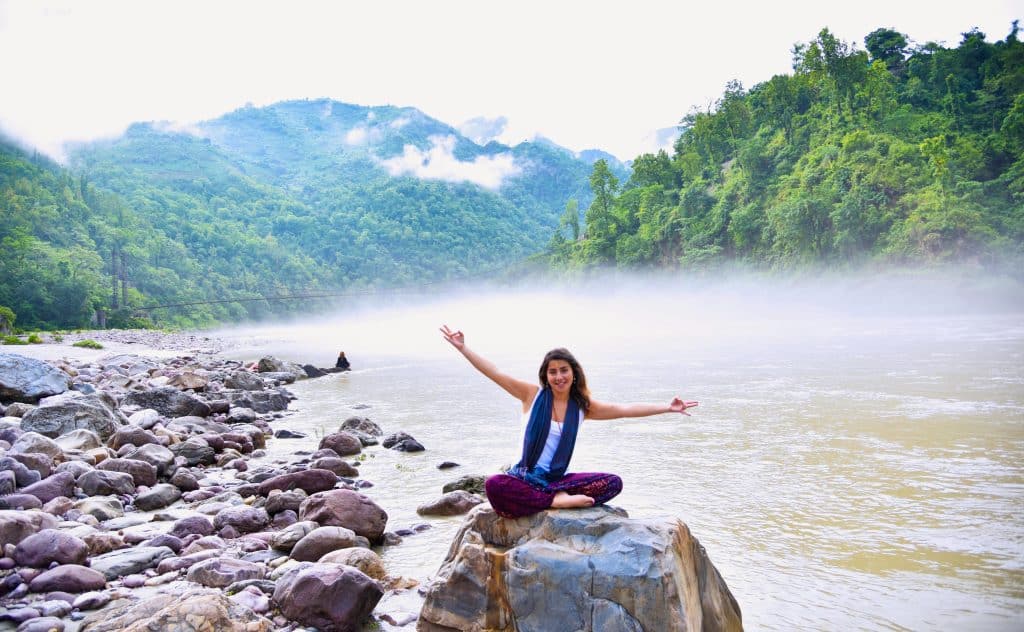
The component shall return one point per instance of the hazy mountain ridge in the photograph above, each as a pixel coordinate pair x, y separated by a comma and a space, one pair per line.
297, 196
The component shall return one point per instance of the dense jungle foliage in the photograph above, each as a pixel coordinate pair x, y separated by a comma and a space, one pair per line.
893, 154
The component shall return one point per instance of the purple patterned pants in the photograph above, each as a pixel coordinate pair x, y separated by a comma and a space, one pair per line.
514, 498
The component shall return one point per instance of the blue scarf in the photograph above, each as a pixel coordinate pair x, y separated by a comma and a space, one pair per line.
537, 431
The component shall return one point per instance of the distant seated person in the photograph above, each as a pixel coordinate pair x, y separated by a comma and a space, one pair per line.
342, 362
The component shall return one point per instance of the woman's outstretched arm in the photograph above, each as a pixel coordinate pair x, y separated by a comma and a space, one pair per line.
602, 410
523, 391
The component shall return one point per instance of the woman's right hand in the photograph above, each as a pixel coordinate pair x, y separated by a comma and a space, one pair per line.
456, 338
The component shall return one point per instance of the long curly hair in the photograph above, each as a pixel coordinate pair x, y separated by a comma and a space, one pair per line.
578, 391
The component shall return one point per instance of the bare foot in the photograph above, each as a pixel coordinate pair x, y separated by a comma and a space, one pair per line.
563, 500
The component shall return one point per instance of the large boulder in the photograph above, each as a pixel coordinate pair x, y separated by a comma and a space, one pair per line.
168, 401
62, 414
28, 380
584, 569
270, 364
329, 597
193, 611
345, 508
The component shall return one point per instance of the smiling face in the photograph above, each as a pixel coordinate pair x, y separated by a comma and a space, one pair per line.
559, 376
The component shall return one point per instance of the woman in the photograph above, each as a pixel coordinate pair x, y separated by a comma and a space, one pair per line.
556, 407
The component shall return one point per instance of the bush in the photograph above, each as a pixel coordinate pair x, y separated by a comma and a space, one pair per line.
12, 340
87, 344
34, 339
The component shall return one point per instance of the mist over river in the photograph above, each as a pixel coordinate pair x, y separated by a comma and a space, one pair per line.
856, 462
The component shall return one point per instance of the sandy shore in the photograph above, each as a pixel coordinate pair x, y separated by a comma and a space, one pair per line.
144, 342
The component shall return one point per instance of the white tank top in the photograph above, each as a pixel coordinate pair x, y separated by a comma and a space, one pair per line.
551, 445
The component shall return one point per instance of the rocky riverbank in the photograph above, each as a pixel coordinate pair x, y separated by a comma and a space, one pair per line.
135, 491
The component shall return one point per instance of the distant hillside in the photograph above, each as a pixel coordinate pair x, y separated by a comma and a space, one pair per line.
893, 154
300, 196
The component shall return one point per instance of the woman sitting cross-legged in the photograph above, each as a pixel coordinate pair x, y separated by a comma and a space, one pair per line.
557, 408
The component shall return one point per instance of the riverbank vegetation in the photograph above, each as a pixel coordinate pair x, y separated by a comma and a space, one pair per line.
889, 154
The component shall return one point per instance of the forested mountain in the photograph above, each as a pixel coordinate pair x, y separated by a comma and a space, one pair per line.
301, 196
894, 154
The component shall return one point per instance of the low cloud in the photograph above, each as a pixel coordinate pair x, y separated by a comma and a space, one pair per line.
362, 135
177, 127
483, 130
399, 123
440, 163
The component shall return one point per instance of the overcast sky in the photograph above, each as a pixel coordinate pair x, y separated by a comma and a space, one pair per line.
584, 73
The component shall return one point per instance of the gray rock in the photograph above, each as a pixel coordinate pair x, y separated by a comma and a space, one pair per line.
287, 538
220, 572
18, 409
80, 439
362, 424
60, 415
323, 540
451, 504
241, 415
102, 508
279, 501
145, 418
8, 482
128, 561
42, 624
195, 451
168, 401
244, 381
584, 569
31, 441
403, 442
156, 455
106, 483
28, 380
243, 518
201, 609
469, 483
160, 496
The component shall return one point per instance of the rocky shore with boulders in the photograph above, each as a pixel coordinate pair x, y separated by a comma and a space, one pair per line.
135, 495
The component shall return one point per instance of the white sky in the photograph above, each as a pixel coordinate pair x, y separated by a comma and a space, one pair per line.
584, 73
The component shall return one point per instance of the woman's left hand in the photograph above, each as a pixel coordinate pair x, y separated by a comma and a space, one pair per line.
680, 406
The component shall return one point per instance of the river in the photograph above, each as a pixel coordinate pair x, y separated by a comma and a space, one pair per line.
856, 461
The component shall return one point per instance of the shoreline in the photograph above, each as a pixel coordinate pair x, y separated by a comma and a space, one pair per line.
227, 487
